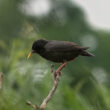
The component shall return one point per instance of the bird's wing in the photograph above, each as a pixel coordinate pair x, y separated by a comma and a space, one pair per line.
62, 46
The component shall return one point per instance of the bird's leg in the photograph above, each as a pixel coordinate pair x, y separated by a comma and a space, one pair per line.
58, 71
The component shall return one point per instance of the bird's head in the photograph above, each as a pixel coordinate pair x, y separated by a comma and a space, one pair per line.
37, 46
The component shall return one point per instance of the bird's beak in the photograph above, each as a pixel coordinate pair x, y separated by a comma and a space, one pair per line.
29, 55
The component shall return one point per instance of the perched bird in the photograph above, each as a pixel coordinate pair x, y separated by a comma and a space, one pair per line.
58, 51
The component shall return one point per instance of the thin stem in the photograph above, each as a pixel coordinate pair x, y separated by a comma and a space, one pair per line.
56, 75
1, 79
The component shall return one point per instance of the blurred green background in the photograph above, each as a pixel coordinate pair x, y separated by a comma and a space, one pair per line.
85, 82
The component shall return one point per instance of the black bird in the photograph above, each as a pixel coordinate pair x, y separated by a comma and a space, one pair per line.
58, 51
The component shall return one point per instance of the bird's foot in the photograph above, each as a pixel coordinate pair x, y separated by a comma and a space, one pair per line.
58, 71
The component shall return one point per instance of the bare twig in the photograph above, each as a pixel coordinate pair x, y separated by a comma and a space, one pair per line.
56, 75
33, 106
1, 79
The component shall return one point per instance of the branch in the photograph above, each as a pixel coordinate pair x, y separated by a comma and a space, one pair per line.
1, 79
56, 75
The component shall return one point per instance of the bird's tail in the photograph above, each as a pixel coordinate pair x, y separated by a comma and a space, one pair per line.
85, 53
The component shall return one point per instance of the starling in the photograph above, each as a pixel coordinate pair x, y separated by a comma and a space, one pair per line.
58, 51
